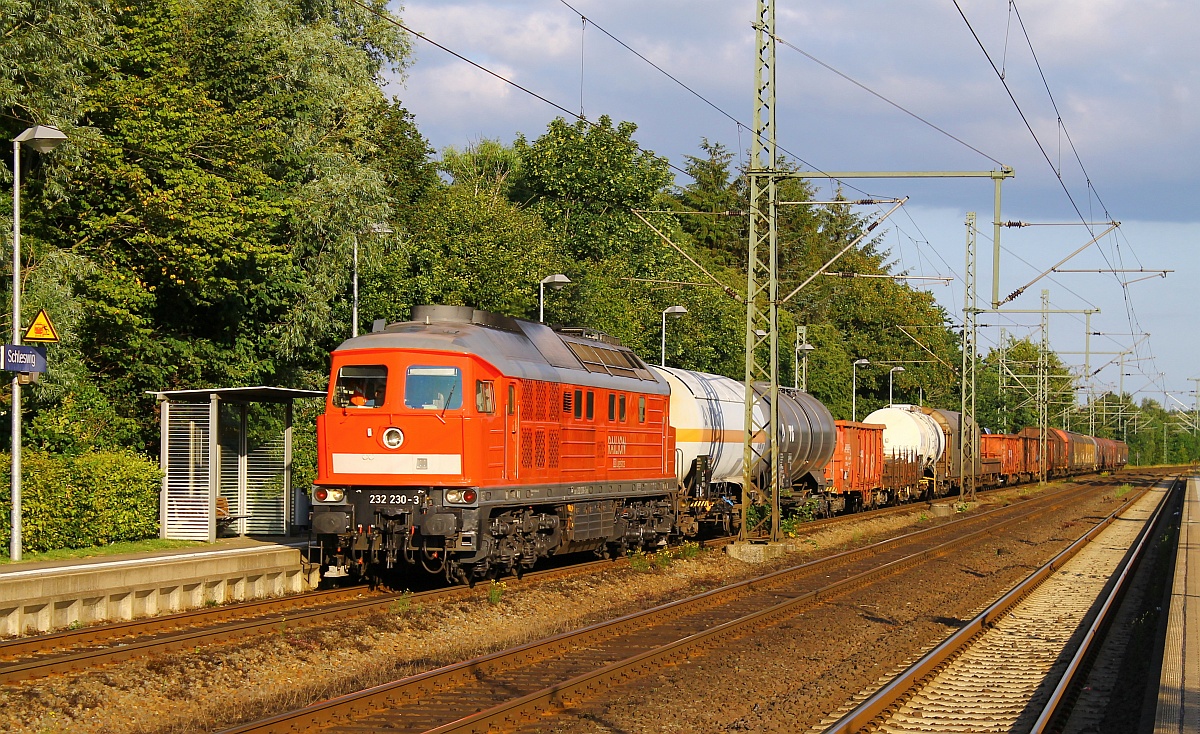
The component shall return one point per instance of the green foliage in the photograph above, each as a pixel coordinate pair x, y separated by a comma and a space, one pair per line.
402, 604
585, 179
495, 593
84, 420
48, 47
91, 499
640, 562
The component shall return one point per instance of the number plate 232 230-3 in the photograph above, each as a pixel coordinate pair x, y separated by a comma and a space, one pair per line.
396, 499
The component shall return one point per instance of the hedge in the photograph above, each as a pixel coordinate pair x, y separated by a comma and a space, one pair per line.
80, 501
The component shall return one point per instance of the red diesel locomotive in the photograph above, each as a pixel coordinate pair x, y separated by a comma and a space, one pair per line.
471, 443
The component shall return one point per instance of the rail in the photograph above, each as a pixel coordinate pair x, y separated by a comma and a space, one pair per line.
874, 708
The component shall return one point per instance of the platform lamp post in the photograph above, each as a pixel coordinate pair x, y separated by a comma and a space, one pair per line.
891, 374
376, 228
556, 281
854, 387
674, 312
43, 139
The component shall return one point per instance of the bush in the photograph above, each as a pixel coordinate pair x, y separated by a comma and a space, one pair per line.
91, 499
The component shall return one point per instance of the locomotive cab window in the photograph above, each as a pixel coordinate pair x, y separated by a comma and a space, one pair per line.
485, 396
612, 408
578, 404
641, 409
621, 414
512, 399
591, 405
360, 386
433, 388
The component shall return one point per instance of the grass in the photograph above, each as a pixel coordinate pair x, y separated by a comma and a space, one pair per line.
136, 546
644, 562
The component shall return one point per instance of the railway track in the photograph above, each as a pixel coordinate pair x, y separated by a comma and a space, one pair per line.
71, 651
1011, 667
512, 687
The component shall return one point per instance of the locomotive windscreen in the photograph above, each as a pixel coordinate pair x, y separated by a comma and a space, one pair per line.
433, 388
360, 386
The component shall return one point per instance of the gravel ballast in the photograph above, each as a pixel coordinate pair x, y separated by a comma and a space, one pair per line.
783, 680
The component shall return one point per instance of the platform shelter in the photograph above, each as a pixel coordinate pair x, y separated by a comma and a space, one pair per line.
226, 456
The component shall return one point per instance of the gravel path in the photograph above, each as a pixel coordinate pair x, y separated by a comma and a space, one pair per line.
783, 680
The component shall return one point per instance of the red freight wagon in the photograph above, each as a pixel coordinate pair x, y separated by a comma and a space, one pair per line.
857, 465
1056, 451
1009, 449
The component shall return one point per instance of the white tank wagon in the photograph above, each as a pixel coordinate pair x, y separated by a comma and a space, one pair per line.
708, 415
910, 431
930, 434
709, 418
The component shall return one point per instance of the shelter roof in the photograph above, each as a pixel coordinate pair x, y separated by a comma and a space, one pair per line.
258, 394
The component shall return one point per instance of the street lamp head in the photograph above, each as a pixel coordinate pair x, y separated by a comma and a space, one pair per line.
379, 228
42, 138
556, 281
897, 369
806, 348
674, 311
861, 362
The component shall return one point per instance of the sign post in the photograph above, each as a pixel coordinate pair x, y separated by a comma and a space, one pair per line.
28, 362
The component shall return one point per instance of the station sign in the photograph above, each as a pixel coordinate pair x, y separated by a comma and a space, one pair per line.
21, 358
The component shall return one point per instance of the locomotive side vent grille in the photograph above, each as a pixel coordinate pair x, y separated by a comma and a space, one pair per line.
553, 447
539, 449
527, 399
543, 396
526, 448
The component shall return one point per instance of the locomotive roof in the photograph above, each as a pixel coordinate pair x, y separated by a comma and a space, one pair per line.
518, 348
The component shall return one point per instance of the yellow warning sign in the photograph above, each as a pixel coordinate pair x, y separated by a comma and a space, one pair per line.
41, 330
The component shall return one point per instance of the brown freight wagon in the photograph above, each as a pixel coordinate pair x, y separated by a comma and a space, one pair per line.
1009, 449
856, 469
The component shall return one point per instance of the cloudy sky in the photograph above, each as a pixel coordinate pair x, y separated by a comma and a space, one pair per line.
1113, 106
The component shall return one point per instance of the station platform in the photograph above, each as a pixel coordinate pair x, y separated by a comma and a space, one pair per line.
45, 596
1178, 708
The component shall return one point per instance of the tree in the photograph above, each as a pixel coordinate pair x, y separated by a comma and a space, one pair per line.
722, 230
232, 164
585, 179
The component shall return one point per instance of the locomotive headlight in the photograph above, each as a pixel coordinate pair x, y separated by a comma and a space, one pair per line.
336, 495
323, 494
393, 437
461, 496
